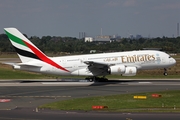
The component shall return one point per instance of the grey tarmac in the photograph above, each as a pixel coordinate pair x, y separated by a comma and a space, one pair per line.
27, 95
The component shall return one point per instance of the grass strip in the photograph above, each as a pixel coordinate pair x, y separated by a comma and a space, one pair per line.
169, 102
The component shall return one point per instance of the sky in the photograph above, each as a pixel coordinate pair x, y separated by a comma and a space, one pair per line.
149, 18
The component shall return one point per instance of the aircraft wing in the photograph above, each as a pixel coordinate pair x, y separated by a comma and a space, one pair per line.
96, 64
97, 68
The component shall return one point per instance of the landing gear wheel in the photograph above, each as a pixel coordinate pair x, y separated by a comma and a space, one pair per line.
97, 79
165, 72
91, 79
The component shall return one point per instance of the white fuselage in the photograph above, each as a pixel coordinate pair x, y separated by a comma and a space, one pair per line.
76, 65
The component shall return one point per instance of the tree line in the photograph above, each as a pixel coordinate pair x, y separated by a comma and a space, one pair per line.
71, 45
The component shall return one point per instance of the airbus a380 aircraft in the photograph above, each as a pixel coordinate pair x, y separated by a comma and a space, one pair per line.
91, 65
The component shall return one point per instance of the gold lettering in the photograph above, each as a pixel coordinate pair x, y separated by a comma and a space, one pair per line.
123, 59
149, 58
145, 57
111, 59
116, 59
136, 58
131, 59
128, 59
153, 58
142, 58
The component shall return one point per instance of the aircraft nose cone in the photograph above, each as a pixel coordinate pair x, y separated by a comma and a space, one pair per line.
172, 61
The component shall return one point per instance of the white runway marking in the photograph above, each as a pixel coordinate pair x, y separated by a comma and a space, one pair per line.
69, 83
145, 82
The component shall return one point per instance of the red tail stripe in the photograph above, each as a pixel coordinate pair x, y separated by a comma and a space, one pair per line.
43, 57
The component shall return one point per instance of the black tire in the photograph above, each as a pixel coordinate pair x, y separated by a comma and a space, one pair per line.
91, 80
165, 74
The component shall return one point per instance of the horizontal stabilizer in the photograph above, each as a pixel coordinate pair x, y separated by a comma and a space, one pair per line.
7, 63
22, 64
28, 65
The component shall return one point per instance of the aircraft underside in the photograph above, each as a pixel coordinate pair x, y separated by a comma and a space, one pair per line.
104, 79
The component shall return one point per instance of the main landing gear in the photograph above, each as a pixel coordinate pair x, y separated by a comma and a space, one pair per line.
165, 72
96, 79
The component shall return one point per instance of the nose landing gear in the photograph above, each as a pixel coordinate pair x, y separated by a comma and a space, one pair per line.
165, 72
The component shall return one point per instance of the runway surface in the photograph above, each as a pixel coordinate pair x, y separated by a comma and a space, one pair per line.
25, 95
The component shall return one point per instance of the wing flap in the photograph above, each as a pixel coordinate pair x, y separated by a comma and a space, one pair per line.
97, 64
97, 68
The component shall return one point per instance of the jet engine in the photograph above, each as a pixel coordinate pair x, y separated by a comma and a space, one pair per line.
118, 69
130, 71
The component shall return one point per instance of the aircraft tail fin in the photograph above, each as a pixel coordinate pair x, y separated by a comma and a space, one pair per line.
25, 49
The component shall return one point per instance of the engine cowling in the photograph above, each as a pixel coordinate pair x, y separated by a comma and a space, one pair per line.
130, 71
119, 69
83, 72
